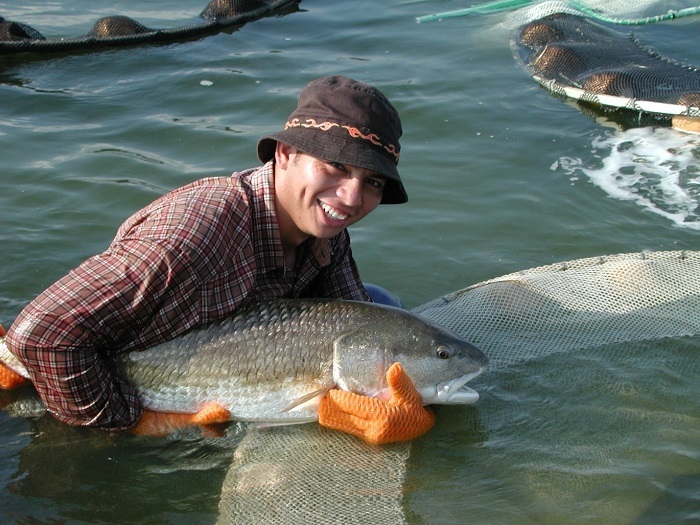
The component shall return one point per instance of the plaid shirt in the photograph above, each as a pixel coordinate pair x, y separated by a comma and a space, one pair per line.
192, 256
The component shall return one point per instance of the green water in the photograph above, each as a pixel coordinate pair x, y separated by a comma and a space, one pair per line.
501, 176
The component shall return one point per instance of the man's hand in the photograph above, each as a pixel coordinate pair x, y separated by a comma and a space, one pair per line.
8, 378
402, 418
162, 423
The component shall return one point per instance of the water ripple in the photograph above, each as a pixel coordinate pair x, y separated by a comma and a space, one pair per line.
657, 168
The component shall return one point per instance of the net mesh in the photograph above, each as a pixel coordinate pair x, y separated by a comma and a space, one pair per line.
611, 304
117, 30
576, 305
628, 12
623, 12
561, 47
307, 475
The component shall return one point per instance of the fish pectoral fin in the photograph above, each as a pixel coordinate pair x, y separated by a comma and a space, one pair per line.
310, 401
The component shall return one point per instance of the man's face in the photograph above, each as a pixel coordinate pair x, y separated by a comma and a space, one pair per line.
316, 198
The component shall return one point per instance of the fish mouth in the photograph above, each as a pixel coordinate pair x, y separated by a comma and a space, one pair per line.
452, 392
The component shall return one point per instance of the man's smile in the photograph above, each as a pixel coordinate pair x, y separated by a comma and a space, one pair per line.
332, 212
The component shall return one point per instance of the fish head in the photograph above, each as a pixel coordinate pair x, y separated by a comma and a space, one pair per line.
438, 361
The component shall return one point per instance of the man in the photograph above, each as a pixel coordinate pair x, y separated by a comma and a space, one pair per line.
201, 251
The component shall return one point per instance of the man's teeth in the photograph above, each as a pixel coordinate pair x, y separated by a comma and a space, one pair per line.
332, 213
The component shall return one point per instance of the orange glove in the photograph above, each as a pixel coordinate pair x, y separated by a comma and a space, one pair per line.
402, 418
8, 378
162, 423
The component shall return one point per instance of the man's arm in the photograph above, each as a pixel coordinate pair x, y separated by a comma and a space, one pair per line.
68, 334
144, 290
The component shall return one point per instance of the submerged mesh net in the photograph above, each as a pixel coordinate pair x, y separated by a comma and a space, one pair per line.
119, 30
559, 45
307, 474
620, 12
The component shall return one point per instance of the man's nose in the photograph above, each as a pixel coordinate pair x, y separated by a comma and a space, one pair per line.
350, 191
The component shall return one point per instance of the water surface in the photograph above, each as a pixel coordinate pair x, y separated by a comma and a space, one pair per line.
501, 176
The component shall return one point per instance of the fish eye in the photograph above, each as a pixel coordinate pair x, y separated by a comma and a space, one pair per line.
443, 352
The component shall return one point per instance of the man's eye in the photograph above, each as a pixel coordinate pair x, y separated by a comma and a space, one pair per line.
376, 183
338, 166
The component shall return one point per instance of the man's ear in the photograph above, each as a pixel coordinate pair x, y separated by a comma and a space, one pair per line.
283, 153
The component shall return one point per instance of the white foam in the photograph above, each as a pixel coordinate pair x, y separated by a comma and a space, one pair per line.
658, 168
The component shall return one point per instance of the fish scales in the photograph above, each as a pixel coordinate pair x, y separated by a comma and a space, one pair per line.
271, 355
272, 360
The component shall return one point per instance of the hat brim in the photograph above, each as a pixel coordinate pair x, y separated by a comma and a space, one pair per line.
339, 149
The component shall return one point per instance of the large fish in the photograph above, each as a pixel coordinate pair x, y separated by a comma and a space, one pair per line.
273, 361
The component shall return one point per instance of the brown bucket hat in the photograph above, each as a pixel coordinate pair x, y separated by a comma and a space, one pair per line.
338, 119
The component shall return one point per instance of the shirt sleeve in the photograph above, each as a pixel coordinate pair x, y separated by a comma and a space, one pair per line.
68, 335
145, 289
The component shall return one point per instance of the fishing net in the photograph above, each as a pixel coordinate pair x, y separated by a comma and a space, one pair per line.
119, 30
307, 475
623, 12
615, 305
581, 304
620, 12
563, 49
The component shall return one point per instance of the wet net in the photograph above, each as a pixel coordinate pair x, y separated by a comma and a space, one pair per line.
623, 12
619, 12
119, 30
614, 305
308, 475
576, 305
565, 47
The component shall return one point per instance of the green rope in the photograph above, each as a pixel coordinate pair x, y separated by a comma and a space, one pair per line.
489, 7
506, 5
635, 21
